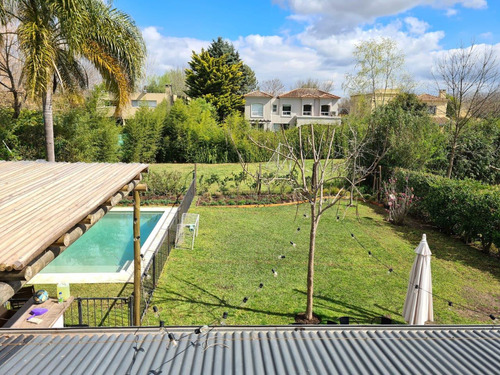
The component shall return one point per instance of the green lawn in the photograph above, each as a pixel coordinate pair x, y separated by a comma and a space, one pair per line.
237, 248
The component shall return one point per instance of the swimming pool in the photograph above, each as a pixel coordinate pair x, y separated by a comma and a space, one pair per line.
106, 252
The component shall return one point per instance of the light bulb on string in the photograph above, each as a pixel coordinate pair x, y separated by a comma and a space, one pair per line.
389, 271
493, 317
172, 339
450, 305
224, 317
202, 329
352, 235
281, 257
370, 253
338, 217
275, 273
293, 244
305, 215
245, 300
261, 285
298, 229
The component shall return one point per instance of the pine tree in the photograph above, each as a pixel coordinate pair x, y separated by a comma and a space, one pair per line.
220, 48
215, 81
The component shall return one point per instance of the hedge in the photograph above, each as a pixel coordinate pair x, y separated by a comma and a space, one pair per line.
466, 208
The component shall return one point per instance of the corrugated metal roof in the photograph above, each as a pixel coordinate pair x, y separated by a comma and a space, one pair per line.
257, 350
40, 201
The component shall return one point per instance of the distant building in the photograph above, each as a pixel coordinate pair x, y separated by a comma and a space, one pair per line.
436, 105
294, 108
142, 99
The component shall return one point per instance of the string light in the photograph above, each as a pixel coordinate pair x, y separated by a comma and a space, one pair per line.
202, 329
369, 253
281, 257
245, 300
275, 273
224, 317
293, 244
261, 285
171, 337
390, 270
493, 317
298, 229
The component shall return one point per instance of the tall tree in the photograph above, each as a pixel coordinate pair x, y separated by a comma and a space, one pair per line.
11, 68
219, 48
174, 77
215, 81
379, 67
54, 35
471, 77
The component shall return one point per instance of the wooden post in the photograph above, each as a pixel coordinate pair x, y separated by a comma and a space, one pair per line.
137, 258
379, 183
258, 179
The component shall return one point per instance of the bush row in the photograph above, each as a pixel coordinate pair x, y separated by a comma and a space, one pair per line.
466, 208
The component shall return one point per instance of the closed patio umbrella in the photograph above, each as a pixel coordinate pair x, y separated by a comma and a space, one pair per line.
418, 307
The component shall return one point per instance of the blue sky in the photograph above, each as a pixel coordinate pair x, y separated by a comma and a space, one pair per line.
298, 39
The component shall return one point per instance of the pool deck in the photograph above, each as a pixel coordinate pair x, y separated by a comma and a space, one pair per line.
126, 274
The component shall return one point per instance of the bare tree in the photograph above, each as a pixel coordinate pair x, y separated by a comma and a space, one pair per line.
272, 86
312, 83
471, 76
311, 178
11, 68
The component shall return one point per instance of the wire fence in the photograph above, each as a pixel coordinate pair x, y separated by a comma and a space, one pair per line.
100, 312
153, 270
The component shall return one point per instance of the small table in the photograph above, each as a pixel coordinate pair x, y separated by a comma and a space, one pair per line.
53, 318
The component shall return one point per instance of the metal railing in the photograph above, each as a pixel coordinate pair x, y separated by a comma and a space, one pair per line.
154, 268
100, 312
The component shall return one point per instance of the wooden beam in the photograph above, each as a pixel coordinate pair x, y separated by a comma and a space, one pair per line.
141, 187
137, 258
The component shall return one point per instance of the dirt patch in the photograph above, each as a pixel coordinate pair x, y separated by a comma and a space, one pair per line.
301, 319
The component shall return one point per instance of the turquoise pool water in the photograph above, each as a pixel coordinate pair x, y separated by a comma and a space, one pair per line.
107, 247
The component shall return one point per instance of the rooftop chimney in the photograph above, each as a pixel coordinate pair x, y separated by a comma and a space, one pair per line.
442, 94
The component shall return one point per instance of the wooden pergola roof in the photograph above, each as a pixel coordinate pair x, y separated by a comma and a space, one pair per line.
43, 204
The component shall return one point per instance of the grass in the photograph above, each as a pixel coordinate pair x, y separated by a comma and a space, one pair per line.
238, 247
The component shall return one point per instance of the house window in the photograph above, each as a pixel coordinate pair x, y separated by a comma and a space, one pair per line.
275, 108
286, 110
307, 110
144, 103
257, 110
431, 109
325, 110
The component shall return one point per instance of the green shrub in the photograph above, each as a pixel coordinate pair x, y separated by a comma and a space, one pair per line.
466, 208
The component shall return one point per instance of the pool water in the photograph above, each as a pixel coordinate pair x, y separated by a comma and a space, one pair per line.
107, 247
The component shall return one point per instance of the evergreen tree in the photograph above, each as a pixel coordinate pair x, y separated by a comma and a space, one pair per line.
220, 48
215, 81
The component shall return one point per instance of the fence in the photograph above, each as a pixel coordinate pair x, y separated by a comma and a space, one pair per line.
99, 312
154, 268
118, 311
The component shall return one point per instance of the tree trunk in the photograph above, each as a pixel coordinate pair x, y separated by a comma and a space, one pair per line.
48, 121
310, 266
16, 104
452, 158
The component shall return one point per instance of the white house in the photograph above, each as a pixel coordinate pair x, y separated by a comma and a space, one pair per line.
294, 108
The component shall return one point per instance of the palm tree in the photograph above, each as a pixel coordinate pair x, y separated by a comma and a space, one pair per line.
56, 35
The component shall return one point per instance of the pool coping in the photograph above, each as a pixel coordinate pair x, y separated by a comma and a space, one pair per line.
126, 274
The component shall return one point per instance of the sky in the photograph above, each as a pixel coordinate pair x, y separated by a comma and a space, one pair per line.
299, 39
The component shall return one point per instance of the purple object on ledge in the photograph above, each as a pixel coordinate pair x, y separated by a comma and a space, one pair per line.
37, 312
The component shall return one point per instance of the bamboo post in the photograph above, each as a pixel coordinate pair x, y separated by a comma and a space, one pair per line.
258, 179
137, 258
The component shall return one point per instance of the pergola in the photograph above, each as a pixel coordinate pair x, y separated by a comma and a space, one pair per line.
45, 207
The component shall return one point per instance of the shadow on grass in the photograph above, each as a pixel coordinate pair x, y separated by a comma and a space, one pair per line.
166, 295
360, 315
443, 246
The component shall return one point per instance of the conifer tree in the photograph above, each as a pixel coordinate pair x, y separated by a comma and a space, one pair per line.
215, 81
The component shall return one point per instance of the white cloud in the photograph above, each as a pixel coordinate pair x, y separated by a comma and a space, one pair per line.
416, 26
450, 12
337, 16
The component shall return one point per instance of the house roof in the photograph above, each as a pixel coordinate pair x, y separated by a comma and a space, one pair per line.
258, 94
308, 93
40, 202
254, 350
431, 98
